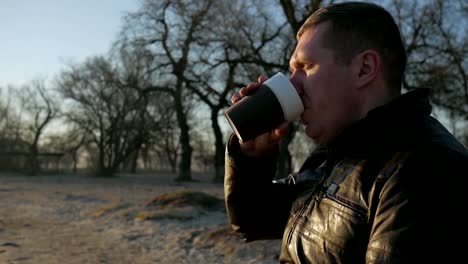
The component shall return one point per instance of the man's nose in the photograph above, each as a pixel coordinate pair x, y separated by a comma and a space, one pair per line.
297, 83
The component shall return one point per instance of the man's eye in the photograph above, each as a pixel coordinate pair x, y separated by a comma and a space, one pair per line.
311, 68
296, 67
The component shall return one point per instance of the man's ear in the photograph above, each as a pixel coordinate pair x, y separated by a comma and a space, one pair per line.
367, 65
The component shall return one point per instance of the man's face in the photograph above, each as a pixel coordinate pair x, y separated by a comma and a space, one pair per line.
324, 85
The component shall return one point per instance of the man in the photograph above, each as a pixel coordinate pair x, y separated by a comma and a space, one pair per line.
383, 184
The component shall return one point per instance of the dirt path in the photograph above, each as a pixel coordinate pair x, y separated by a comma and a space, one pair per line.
60, 219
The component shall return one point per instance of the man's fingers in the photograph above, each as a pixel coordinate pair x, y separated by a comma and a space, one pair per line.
262, 79
235, 98
279, 132
251, 87
243, 91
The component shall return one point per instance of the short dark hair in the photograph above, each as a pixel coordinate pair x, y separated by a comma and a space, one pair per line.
357, 26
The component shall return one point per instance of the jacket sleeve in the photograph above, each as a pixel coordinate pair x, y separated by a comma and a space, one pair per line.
257, 208
392, 222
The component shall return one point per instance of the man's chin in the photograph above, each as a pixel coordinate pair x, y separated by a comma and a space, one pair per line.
314, 136
317, 137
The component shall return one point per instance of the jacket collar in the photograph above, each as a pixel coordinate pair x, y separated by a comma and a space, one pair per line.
385, 127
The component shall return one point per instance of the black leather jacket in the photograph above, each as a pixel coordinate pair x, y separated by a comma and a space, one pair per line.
388, 190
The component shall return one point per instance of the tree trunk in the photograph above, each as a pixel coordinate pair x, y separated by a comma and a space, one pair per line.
105, 172
75, 161
102, 170
219, 145
134, 161
33, 163
172, 159
186, 157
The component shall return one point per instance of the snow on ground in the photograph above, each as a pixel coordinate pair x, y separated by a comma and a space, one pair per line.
82, 219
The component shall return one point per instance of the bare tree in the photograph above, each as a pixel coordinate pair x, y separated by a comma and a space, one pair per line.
165, 140
217, 70
134, 67
68, 143
437, 44
170, 29
11, 121
296, 12
105, 106
5, 117
11, 131
38, 110
204, 150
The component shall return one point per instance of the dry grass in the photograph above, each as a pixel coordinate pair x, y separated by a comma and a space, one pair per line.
49, 219
182, 214
181, 198
222, 238
181, 205
108, 209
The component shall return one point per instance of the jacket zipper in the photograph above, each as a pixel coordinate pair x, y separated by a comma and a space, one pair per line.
306, 204
328, 168
296, 220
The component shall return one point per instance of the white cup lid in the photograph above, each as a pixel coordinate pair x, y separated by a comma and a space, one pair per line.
287, 95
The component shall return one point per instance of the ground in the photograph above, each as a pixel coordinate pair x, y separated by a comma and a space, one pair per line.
82, 219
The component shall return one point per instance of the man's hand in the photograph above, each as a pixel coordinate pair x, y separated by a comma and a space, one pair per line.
266, 142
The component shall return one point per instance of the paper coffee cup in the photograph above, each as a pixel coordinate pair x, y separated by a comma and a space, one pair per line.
274, 102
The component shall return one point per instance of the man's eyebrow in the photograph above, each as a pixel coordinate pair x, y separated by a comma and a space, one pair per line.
303, 58
300, 61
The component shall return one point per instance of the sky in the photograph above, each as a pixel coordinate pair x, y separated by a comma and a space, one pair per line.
37, 37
